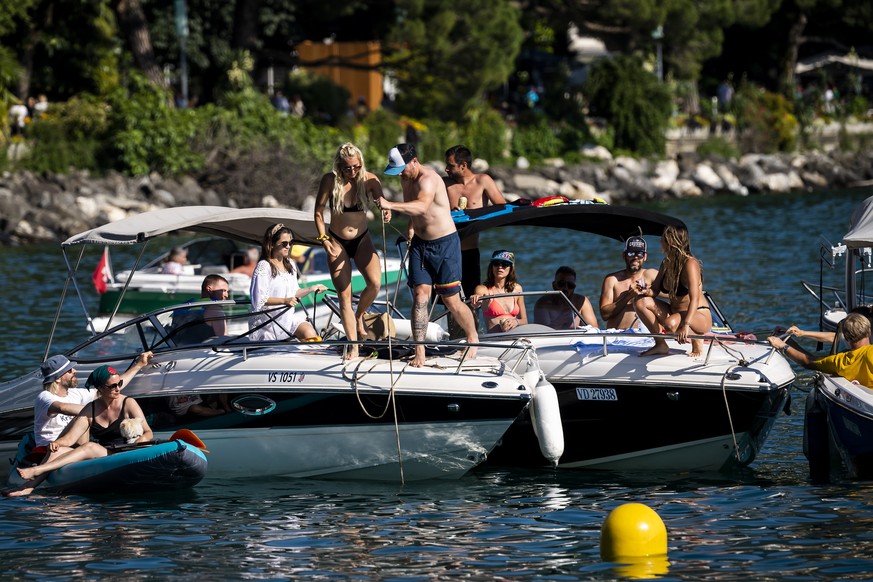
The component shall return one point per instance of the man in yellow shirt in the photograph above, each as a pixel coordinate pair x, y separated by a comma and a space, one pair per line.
853, 365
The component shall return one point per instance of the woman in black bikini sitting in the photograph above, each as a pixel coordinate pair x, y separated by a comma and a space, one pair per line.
680, 276
349, 190
102, 417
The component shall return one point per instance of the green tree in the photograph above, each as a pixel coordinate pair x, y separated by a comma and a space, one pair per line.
445, 56
632, 100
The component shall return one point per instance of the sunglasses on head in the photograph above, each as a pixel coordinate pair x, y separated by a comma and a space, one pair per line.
565, 285
284, 244
114, 386
502, 264
634, 253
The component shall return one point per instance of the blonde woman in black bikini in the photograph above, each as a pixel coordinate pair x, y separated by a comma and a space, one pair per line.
501, 313
348, 190
680, 277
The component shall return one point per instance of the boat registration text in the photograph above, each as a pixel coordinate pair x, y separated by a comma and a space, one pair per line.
596, 394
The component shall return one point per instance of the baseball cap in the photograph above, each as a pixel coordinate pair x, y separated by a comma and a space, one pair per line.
55, 367
398, 157
503, 256
635, 244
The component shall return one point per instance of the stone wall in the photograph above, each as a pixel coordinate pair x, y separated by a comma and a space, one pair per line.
41, 208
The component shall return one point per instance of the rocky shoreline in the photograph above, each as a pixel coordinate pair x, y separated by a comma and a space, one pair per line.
46, 208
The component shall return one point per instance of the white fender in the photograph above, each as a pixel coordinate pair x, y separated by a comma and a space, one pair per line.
546, 416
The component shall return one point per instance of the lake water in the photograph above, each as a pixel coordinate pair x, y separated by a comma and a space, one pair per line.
768, 522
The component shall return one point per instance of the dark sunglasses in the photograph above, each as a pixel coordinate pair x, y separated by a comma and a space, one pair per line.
502, 264
285, 244
118, 385
565, 285
635, 253
350, 168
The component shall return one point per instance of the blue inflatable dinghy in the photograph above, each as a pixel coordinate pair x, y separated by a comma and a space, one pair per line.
160, 466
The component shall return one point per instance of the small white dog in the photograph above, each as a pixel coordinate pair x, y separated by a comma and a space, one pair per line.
131, 429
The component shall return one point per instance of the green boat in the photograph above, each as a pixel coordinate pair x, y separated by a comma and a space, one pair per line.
144, 289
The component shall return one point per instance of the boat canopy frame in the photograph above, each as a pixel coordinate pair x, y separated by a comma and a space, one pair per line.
243, 224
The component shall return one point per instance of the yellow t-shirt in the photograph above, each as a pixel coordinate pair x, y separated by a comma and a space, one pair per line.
852, 365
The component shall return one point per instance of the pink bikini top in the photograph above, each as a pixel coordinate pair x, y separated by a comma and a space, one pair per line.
496, 309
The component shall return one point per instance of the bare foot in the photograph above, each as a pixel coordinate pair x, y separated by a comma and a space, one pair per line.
696, 349
470, 354
27, 474
350, 352
418, 360
362, 330
658, 349
18, 492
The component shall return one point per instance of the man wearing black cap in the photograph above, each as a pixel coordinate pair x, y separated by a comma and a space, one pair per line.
616, 297
434, 250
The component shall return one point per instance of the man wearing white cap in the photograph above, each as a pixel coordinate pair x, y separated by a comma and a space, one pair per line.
616, 297
434, 249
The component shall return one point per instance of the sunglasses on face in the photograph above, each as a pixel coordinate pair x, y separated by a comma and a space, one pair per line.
114, 386
565, 285
635, 253
284, 244
502, 264
351, 168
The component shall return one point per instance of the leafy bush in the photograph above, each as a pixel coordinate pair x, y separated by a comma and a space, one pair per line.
536, 141
325, 101
379, 132
766, 120
718, 146
70, 136
148, 133
485, 133
633, 102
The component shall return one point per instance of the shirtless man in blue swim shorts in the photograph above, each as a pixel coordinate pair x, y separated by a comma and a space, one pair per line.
434, 250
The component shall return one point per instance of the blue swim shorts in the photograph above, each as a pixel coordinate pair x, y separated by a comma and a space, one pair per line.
436, 262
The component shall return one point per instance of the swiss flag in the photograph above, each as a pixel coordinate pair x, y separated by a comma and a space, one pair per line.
103, 272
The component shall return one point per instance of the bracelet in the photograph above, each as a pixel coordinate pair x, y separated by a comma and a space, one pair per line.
322, 237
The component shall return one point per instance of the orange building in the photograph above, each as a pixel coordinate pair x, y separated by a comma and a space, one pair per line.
353, 65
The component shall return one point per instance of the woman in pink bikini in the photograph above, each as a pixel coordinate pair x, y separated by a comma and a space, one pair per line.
501, 313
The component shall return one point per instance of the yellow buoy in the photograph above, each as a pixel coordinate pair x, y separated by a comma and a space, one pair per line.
632, 530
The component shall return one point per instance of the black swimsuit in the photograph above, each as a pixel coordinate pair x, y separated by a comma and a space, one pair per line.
350, 245
109, 434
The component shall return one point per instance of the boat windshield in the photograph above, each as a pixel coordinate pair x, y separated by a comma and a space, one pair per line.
178, 327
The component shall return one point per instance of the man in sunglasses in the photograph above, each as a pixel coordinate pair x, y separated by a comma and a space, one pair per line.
59, 403
554, 310
616, 297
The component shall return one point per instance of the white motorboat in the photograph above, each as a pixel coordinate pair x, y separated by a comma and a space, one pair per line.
623, 412
839, 414
293, 409
855, 255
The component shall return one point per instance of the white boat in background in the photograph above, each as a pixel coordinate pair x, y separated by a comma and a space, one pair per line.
142, 289
623, 412
290, 409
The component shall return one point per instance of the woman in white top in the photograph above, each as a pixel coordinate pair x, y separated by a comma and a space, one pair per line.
275, 283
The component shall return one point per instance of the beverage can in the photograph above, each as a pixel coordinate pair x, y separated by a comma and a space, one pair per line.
462, 202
